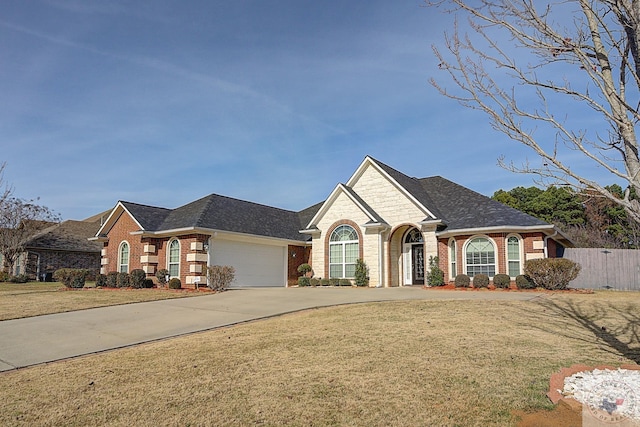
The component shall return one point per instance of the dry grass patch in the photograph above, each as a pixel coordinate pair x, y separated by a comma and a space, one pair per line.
440, 363
34, 299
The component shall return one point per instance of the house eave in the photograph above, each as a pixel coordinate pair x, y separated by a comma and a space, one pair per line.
213, 233
547, 229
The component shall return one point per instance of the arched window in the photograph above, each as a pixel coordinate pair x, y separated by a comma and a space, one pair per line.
173, 258
414, 236
343, 252
123, 258
452, 259
513, 256
481, 257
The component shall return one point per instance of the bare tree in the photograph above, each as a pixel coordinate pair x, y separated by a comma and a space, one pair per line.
5, 188
20, 220
522, 62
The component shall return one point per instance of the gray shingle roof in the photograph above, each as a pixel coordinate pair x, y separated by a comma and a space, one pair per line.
67, 236
149, 217
223, 213
462, 208
459, 207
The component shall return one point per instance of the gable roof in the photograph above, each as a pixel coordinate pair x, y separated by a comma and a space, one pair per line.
220, 213
69, 236
455, 206
413, 187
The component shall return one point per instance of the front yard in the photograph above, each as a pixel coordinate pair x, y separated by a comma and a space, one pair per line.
440, 363
36, 298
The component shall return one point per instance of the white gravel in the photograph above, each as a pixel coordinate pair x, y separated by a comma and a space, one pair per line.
614, 391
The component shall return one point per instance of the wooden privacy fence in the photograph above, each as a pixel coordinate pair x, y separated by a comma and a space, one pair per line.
606, 268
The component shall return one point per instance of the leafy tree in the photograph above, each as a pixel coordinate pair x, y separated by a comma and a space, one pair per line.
554, 205
20, 220
526, 62
589, 219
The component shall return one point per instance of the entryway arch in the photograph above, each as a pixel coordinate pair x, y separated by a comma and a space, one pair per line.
413, 257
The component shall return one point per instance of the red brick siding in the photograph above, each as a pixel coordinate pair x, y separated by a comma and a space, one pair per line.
500, 241
120, 232
302, 256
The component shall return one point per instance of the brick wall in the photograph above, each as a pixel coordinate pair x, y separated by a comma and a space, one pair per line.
532, 247
297, 255
50, 261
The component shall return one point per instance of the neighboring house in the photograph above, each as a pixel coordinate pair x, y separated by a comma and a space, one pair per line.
393, 222
60, 245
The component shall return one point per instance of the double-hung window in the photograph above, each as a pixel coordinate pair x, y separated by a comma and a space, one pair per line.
481, 257
343, 252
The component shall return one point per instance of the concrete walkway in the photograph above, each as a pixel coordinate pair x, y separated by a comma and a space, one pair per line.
42, 339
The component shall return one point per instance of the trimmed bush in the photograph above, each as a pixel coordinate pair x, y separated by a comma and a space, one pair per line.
314, 282
304, 269
122, 280
435, 276
325, 282
552, 273
362, 273
524, 282
147, 284
136, 278
161, 275
220, 277
112, 279
175, 283
502, 281
345, 282
480, 280
20, 278
304, 281
101, 281
462, 281
72, 278
4, 276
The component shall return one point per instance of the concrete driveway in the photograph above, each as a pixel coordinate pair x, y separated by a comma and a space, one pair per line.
42, 339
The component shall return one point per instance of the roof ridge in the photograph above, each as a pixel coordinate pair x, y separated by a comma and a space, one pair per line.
246, 201
143, 205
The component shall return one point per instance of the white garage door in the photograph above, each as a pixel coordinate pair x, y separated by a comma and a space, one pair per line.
255, 264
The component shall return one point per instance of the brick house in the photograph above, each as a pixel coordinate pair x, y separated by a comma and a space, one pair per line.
393, 222
60, 245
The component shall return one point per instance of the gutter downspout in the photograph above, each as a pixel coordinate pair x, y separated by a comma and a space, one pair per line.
380, 260
546, 249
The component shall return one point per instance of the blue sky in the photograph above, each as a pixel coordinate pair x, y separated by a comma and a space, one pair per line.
163, 102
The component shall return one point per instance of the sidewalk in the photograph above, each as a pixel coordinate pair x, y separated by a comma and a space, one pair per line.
42, 339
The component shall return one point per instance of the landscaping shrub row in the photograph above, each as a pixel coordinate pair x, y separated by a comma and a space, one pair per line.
361, 277
549, 273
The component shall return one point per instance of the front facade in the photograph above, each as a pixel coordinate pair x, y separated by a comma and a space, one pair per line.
262, 243
393, 222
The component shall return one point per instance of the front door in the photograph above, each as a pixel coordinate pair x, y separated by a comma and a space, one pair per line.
417, 264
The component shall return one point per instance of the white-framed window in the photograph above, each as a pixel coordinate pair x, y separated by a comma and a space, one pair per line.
123, 257
343, 252
480, 256
514, 256
173, 258
452, 259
